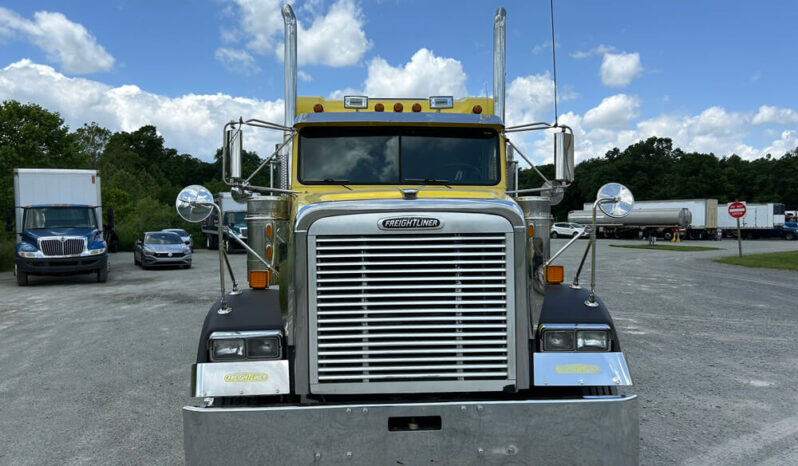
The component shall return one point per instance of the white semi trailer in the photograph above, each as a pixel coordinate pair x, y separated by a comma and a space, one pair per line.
760, 220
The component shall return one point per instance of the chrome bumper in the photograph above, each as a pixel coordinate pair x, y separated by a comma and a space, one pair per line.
599, 430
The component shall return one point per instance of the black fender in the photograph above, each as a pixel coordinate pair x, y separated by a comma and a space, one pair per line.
251, 310
565, 305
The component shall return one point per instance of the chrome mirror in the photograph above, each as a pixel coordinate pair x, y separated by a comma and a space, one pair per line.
564, 157
554, 191
234, 145
194, 203
615, 200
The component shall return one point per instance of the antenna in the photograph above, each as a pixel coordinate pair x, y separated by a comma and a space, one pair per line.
554, 61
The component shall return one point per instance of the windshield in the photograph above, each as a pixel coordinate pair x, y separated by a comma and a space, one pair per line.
452, 156
179, 232
234, 218
162, 238
37, 218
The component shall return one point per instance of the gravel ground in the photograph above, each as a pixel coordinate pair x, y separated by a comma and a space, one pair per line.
97, 373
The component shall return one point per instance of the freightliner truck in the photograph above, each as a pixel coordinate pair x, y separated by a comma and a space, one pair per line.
234, 214
419, 317
59, 224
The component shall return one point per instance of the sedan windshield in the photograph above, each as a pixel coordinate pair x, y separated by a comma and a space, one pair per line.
37, 218
393, 155
162, 238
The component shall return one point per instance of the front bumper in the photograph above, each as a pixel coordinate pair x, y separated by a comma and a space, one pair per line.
62, 265
598, 430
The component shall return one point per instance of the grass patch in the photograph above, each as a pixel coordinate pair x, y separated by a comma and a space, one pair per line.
772, 260
666, 247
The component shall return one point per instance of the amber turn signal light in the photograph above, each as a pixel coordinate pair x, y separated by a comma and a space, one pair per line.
555, 274
259, 279
477, 109
531, 230
318, 108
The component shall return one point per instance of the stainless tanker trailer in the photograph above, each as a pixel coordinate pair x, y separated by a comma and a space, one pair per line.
640, 223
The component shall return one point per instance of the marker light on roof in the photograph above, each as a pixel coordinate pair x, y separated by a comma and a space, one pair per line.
379, 108
318, 108
356, 101
416, 107
441, 102
398, 107
477, 109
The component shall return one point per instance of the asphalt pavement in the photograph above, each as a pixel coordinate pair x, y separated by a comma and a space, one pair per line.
98, 373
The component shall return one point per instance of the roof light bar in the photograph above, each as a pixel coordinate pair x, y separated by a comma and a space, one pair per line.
356, 101
441, 102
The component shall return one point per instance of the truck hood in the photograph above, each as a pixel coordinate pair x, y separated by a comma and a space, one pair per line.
427, 192
33, 235
167, 247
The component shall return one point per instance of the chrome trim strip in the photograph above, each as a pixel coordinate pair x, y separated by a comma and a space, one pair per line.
574, 327
305, 119
560, 369
246, 334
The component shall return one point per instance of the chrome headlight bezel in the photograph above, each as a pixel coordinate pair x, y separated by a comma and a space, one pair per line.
247, 339
575, 337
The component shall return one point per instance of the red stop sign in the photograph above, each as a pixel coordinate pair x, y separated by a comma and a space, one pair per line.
736, 209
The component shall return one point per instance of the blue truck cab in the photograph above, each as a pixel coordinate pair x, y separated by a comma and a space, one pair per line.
59, 239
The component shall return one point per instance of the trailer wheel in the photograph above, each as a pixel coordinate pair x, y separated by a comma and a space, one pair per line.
22, 277
667, 236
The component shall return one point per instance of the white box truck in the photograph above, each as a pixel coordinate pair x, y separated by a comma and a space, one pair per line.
59, 228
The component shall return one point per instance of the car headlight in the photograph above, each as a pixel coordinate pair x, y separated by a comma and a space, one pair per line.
575, 337
27, 254
265, 344
148, 252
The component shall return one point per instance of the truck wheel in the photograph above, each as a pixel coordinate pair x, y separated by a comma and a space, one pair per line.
102, 275
789, 236
228, 246
22, 278
667, 236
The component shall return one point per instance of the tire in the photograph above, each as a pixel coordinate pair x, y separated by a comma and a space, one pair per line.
211, 242
228, 246
102, 275
555, 235
667, 236
22, 278
789, 236
187, 266
135, 261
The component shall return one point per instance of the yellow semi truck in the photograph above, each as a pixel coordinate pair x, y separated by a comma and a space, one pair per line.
403, 305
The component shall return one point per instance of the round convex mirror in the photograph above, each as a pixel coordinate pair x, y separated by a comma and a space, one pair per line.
554, 191
622, 203
194, 203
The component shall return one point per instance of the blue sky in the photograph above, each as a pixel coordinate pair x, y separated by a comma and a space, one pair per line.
715, 76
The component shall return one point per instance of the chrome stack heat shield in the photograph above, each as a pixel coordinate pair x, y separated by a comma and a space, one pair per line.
264, 216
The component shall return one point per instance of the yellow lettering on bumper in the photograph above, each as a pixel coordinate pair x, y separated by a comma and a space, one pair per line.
577, 369
239, 377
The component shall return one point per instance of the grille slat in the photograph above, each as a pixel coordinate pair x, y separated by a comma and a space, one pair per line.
426, 307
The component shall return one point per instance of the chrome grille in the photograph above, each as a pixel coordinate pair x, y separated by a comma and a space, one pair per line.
62, 246
411, 308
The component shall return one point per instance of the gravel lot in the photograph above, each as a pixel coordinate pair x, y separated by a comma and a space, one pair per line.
97, 373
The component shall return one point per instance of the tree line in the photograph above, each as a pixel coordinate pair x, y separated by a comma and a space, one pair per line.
141, 177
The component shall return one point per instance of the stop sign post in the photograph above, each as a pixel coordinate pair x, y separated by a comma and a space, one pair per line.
737, 210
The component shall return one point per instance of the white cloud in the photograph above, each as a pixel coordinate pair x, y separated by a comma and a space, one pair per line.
775, 115
424, 75
62, 40
304, 76
190, 123
336, 39
544, 47
237, 60
619, 69
529, 99
599, 50
613, 112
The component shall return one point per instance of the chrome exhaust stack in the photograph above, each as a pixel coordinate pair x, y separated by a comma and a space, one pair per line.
499, 61
290, 61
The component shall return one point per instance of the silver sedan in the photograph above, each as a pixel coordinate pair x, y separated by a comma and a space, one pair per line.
155, 248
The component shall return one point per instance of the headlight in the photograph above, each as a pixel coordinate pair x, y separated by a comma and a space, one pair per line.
265, 344
558, 340
29, 255
592, 340
232, 348
94, 252
147, 251
575, 337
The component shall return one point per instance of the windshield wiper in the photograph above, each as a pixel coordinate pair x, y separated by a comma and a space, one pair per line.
429, 180
330, 180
